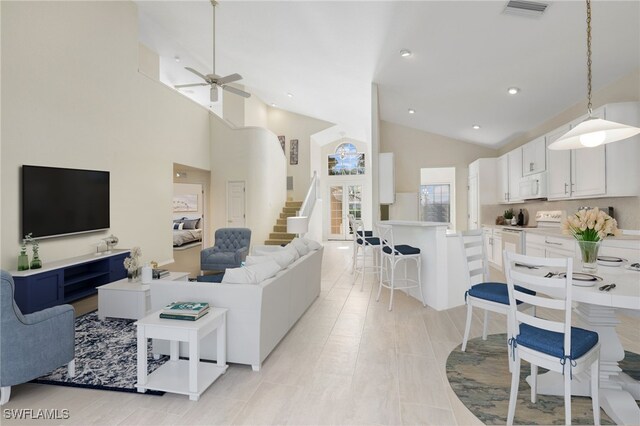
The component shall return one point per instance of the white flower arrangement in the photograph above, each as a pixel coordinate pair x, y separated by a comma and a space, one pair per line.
132, 263
590, 225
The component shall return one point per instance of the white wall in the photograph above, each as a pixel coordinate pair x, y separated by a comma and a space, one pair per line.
415, 149
253, 155
255, 113
72, 97
301, 127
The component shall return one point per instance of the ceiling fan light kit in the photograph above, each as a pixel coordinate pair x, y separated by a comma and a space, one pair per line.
213, 79
593, 131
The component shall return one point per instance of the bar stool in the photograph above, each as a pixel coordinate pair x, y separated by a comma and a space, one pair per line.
364, 246
393, 255
354, 232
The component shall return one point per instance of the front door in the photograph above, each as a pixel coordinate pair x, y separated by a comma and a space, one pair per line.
235, 204
344, 199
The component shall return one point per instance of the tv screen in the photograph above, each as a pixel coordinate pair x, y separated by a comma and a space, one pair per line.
58, 201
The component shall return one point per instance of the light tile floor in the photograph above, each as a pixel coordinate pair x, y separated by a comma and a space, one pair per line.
348, 360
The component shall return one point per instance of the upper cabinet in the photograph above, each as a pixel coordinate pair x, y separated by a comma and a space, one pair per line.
509, 173
534, 157
604, 171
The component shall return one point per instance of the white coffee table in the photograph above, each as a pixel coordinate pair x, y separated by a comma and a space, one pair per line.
188, 377
132, 300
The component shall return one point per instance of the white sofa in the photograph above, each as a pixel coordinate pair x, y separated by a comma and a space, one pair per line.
259, 315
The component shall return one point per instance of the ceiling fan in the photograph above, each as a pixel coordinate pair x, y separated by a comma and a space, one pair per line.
213, 79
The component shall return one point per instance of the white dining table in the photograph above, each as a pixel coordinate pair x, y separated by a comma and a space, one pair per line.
597, 310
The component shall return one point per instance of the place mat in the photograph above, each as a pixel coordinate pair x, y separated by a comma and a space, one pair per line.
481, 379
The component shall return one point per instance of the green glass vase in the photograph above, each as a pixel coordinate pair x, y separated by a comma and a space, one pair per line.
23, 260
36, 263
589, 255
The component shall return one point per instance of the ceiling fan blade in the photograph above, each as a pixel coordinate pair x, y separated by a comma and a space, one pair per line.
179, 86
213, 93
229, 79
204, 77
237, 91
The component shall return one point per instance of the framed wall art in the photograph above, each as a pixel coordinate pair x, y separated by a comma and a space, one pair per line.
293, 151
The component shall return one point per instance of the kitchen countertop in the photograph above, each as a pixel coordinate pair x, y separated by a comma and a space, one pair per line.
557, 232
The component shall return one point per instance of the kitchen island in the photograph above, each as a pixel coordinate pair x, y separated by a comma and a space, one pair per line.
435, 243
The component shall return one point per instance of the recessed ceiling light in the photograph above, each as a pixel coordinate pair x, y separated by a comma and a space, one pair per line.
476, 126
273, 105
177, 58
513, 90
412, 111
405, 53
290, 95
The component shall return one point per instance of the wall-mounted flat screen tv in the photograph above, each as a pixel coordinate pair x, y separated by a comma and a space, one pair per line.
57, 201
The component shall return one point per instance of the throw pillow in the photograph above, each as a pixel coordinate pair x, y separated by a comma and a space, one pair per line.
313, 245
178, 225
253, 274
254, 260
300, 246
191, 223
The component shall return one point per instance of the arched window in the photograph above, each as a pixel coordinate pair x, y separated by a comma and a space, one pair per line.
346, 161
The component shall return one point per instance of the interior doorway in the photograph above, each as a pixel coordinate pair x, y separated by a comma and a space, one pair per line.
344, 199
236, 215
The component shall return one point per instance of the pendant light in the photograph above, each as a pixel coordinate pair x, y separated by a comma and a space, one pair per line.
593, 131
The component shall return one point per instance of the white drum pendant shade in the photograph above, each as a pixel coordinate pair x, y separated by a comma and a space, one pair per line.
593, 132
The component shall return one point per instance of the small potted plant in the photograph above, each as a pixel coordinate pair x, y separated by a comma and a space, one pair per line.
508, 217
132, 263
36, 263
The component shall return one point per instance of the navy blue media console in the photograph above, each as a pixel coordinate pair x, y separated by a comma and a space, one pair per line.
67, 281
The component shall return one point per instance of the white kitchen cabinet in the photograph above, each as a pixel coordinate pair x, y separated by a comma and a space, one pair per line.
534, 157
515, 174
482, 190
488, 243
497, 248
532, 250
502, 178
509, 173
559, 168
605, 171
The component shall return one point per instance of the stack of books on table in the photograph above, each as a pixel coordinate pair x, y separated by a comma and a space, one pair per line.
187, 311
160, 273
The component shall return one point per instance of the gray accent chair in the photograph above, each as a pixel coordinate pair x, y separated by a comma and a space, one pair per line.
32, 345
229, 251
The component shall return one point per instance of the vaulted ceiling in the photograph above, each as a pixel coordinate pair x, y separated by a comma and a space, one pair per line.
465, 54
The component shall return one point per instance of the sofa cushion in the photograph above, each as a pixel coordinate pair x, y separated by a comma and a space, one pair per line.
253, 274
300, 246
283, 258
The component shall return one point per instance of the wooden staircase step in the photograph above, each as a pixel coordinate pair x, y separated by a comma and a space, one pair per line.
293, 210
296, 204
281, 236
286, 215
280, 228
276, 242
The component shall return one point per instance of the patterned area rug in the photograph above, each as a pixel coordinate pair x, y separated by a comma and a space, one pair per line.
106, 357
480, 378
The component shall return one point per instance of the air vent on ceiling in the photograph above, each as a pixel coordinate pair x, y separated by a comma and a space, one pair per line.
525, 8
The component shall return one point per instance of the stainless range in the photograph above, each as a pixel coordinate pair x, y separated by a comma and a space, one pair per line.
513, 238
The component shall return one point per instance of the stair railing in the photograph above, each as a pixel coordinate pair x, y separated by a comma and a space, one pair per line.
310, 200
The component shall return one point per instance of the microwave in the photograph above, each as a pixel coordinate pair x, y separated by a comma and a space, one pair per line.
533, 187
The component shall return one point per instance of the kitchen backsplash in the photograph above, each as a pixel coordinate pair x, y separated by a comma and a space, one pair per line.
626, 209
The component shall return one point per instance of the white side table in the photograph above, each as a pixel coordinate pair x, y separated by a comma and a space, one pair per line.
190, 377
132, 300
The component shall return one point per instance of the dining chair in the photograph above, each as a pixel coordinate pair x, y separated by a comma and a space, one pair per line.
482, 293
391, 256
546, 342
364, 247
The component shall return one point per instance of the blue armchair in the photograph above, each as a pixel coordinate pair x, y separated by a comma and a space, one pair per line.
32, 345
229, 251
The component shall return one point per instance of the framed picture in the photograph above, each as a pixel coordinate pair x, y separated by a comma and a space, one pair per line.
293, 151
281, 139
185, 203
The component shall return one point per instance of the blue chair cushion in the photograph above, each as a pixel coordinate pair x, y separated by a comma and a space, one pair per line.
366, 233
214, 278
373, 241
495, 292
552, 343
402, 249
